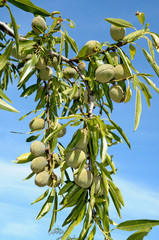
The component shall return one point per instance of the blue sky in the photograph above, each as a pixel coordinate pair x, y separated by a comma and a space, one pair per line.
137, 175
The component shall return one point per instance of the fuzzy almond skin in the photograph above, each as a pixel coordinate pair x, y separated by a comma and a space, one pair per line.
69, 72
98, 182
104, 73
37, 124
92, 46
117, 94
41, 63
62, 132
83, 141
81, 65
38, 25
37, 148
38, 164
84, 178
46, 73
75, 157
42, 179
22, 55
117, 33
120, 72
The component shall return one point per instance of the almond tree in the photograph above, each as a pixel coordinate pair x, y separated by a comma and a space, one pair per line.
81, 92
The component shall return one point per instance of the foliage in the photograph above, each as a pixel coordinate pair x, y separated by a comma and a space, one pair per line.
70, 100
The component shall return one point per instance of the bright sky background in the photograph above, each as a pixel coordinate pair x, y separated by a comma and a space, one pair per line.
137, 175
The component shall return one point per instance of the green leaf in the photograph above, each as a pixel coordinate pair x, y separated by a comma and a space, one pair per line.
141, 224
119, 22
5, 56
47, 205
151, 61
132, 51
128, 94
135, 81
32, 138
151, 83
69, 230
66, 187
138, 108
141, 17
54, 214
106, 93
4, 96
83, 52
7, 107
28, 6
27, 68
118, 192
134, 36
56, 131
126, 64
144, 88
28, 91
121, 132
71, 23
15, 29
61, 50
73, 91
104, 170
29, 176
72, 43
41, 197
24, 158
139, 235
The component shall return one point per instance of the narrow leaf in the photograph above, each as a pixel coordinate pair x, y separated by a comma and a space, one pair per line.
119, 22
4, 96
5, 56
69, 230
72, 43
151, 61
7, 107
133, 225
121, 132
27, 68
28, 6
47, 205
151, 83
41, 197
139, 235
132, 51
138, 108
128, 94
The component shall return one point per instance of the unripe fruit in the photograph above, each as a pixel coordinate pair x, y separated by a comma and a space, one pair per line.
77, 94
14, 53
75, 157
84, 178
37, 148
62, 132
116, 93
81, 65
83, 141
117, 33
53, 62
38, 25
42, 179
115, 58
37, 124
98, 183
104, 73
46, 73
120, 72
38, 164
92, 46
41, 63
69, 72
56, 160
